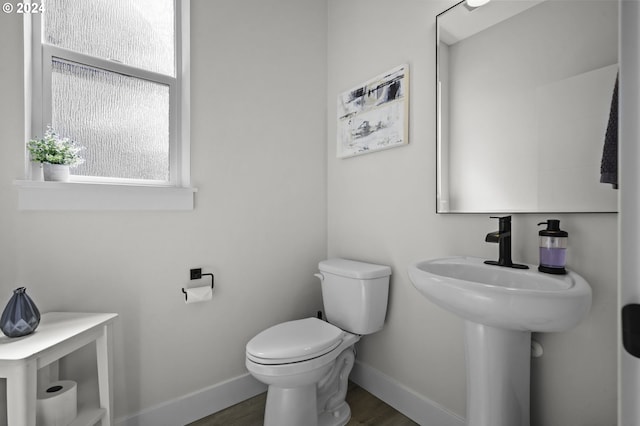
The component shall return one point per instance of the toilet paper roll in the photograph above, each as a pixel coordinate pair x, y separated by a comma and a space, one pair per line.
199, 294
57, 403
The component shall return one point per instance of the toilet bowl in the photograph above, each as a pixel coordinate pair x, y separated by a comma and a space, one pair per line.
306, 363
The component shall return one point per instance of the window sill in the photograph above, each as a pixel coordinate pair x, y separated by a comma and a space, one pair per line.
34, 195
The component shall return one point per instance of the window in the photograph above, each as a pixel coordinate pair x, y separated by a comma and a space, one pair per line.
109, 75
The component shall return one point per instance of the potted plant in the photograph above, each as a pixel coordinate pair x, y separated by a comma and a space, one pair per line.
56, 154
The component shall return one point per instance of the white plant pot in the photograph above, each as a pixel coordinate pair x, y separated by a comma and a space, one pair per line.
56, 172
36, 171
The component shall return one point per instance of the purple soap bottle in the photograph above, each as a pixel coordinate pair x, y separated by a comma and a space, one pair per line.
553, 248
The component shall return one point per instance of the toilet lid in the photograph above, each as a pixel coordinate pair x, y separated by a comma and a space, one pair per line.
294, 341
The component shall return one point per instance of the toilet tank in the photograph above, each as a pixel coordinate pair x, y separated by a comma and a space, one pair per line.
355, 294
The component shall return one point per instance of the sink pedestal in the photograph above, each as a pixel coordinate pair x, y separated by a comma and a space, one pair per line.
498, 374
501, 306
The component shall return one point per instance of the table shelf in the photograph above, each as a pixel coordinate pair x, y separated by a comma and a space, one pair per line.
58, 334
88, 417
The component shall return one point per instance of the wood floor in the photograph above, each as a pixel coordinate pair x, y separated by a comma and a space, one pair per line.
366, 409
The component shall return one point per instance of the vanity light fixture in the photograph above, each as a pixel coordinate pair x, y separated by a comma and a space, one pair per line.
472, 4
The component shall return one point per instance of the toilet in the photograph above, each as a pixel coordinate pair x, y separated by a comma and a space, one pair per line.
306, 363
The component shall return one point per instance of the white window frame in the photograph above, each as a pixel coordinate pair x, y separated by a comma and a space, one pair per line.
97, 193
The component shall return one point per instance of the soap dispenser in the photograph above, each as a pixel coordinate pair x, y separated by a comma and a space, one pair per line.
553, 248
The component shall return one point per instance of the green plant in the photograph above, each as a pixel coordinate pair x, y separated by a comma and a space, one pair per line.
54, 149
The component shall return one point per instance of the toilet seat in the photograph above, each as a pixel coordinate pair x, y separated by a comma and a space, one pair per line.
294, 341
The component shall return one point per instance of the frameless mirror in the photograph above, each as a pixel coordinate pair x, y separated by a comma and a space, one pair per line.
524, 97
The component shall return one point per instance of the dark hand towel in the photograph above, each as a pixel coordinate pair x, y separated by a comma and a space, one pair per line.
609, 164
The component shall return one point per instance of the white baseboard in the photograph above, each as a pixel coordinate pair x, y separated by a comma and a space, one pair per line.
199, 404
418, 408
196, 405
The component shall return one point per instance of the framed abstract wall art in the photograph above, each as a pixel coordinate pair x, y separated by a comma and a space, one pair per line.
374, 115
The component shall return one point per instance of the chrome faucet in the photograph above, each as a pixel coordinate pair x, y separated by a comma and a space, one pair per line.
503, 237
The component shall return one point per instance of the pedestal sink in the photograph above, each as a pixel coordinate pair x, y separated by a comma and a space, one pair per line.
501, 306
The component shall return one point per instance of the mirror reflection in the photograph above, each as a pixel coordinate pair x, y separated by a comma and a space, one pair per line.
524, 98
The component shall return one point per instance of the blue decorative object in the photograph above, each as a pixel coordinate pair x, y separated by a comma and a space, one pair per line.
21, 316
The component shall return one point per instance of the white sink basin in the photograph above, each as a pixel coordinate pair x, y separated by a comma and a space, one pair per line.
513, 299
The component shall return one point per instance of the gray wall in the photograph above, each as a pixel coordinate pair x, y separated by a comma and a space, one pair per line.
258, 161
382, 208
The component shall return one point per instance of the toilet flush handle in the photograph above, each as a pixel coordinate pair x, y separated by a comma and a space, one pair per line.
320, 276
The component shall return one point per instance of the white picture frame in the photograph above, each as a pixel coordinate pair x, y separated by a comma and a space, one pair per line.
374, 115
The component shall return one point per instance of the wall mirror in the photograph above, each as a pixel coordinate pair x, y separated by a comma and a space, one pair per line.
524, 96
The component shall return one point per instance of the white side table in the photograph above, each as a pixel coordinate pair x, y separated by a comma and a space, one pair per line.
58, 334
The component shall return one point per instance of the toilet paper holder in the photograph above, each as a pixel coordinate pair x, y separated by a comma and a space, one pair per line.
196, 274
